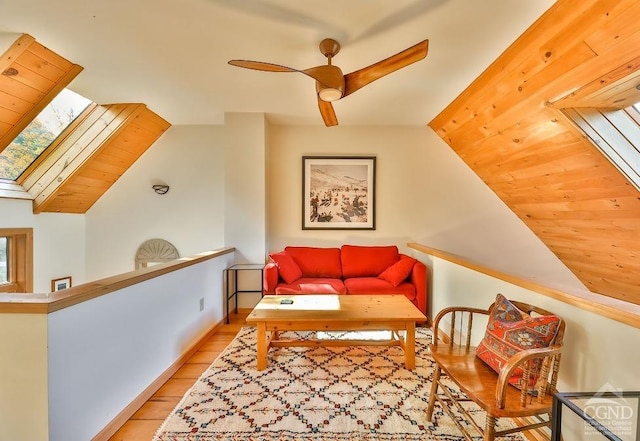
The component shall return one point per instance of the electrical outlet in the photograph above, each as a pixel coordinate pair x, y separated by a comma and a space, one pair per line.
201, 303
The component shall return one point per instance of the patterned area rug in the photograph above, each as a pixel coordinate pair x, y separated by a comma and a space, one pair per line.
313, 394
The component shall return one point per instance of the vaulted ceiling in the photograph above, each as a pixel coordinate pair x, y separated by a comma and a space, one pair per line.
172, 55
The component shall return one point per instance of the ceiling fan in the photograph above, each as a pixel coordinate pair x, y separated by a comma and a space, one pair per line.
332, 84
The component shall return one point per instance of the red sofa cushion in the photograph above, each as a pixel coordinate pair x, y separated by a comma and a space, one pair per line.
287, 267
317, 262
373, 285
312, 285
399, 271
363, 261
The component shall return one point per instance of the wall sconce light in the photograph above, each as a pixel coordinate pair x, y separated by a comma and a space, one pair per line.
160, 188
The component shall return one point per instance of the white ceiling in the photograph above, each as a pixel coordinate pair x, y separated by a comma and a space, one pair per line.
172, 54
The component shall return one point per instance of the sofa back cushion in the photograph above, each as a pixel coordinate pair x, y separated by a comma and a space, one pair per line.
317, 262
363, 261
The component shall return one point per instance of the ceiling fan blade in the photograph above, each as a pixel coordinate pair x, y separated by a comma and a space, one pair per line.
318, 73
360, 78
259, 65
327, 112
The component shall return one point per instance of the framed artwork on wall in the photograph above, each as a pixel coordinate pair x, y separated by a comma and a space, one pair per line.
338, 192
60, 284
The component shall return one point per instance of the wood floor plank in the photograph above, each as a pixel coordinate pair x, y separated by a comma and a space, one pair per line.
174, 387
137, 430
204, 357
191, 370
214, 346
156, 409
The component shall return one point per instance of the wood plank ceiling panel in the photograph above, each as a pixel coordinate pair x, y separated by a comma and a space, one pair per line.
31, 76
132, 129
505, 127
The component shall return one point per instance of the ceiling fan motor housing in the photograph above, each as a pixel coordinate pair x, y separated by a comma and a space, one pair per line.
330, 83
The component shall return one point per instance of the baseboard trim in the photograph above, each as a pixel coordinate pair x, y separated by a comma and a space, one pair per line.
110, 429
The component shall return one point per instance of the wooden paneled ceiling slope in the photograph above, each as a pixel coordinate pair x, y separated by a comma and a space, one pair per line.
509, 128
90, 155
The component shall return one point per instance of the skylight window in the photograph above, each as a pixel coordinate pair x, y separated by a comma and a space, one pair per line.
616, 133
40, 133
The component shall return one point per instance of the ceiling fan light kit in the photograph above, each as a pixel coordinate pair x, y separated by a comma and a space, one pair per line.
332, 84
330, 94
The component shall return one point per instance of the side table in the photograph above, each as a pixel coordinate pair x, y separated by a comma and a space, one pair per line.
233, 291
616, 415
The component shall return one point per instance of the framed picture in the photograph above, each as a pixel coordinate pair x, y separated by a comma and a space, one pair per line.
338, 192
59, 284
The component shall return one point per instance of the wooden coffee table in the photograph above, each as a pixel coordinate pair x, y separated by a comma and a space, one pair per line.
327, 312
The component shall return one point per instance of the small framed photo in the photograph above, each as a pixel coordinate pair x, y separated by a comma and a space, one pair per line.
60, 284
338, 192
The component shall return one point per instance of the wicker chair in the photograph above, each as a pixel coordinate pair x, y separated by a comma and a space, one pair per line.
530, 406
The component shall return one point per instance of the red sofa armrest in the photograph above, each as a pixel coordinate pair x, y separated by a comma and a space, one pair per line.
419, 280
270, 278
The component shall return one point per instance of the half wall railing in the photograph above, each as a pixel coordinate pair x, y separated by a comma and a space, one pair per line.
75, 364
614, 309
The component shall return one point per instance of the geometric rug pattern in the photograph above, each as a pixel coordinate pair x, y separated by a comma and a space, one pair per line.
312, 393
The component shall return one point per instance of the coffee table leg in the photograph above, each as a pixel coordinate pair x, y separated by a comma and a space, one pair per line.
262, 347
410, 346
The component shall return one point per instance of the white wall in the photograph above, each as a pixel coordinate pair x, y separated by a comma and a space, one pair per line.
191, 160
58, 242
424, 193
244, 205
395, 149
216, 176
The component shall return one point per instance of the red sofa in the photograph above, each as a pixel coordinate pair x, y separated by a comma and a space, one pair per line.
350, 269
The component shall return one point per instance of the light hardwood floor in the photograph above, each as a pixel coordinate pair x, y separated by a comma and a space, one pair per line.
144, 423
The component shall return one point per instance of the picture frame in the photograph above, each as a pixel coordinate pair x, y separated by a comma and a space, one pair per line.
338, 192
60, 284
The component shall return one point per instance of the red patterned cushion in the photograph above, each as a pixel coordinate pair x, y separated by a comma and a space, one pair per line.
287, 267
510, 331
399, 271
506, 311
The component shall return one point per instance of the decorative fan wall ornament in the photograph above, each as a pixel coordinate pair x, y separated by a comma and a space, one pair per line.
155, 251
332, 84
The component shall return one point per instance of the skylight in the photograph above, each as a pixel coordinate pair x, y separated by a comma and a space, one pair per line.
40, 133
616, 133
